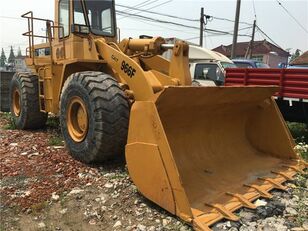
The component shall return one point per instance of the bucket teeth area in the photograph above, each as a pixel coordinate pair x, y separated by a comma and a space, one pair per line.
261, 188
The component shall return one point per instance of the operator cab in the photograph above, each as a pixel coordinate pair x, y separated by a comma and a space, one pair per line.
94, 16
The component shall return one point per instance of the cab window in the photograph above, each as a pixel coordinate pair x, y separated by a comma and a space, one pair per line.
78, 13
64, 18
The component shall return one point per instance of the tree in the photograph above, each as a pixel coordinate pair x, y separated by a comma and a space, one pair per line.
19, 52
11, 58
296, 54
2, 59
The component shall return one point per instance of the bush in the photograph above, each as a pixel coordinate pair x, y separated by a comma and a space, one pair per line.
9, 121
299, 132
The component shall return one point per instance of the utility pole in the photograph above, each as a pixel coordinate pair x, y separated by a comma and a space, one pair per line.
237, 18
201, 27
252, 39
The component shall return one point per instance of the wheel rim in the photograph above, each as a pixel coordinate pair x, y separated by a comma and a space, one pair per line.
16, 102
77, 119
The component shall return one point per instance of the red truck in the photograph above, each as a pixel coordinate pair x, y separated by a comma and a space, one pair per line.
292, 97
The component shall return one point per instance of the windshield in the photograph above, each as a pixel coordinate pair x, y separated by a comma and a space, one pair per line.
228, 65
262, 65
101, 18
209, 71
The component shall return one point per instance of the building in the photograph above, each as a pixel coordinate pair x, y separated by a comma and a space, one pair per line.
301, 60
262, 51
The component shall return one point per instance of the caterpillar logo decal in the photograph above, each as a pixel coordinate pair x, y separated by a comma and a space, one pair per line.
128, 69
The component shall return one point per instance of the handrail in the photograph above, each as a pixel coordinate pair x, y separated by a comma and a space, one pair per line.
30, 33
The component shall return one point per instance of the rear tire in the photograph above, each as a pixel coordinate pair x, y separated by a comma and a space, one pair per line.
24, 102
94, 116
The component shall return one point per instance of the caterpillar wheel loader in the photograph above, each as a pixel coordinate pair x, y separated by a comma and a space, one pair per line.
199, 152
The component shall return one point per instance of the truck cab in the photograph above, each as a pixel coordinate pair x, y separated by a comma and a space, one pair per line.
249, 63
208, 67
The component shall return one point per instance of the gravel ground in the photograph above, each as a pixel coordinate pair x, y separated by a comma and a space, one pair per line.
43, 188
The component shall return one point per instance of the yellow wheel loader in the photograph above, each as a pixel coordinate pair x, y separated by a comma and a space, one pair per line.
201, 153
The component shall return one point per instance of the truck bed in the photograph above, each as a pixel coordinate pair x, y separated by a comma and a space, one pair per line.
292, 97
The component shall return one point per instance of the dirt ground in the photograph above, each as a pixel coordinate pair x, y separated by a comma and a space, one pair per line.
44, 188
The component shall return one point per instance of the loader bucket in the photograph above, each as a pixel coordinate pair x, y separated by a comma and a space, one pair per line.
203, 152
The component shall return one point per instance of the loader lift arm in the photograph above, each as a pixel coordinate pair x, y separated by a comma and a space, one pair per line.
145, 83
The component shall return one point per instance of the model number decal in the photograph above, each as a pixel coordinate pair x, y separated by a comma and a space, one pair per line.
128, 69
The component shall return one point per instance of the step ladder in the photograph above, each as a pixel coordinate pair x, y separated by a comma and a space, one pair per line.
45, 89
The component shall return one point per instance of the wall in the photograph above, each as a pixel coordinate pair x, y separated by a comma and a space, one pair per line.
273, 60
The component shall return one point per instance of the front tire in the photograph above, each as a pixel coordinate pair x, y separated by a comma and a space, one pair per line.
24, 101
94, 116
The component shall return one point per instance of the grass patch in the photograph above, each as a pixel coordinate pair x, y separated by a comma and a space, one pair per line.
53, 122
8, 118
37, 208
55, 140
302, 194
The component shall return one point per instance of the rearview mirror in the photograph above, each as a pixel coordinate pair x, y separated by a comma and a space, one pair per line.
82, 29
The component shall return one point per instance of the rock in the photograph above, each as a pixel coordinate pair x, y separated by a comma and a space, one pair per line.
157, 221
115, 217
305, 225
33, 154
13, 144
141, 227
228, 224
101, 197
235, 224
55, 197
117, 224
247, 216
75, 191
58, 147
233, 229
136, 202
108, 185
41, 225
165, 222
92, 222
260, 202
151, 228
246, 228
103, 209
291, 211
28, 211
278, 208
63, 211
298, 229
184, 228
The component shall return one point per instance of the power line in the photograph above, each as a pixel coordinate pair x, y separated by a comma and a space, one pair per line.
142, 4
263, 33
162, 14
174, 23
152, 7
230, 20
289, 13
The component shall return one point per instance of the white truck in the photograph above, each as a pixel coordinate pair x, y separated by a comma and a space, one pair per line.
207, 68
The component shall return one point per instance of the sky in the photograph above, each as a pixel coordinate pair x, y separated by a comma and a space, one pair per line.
271, 18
